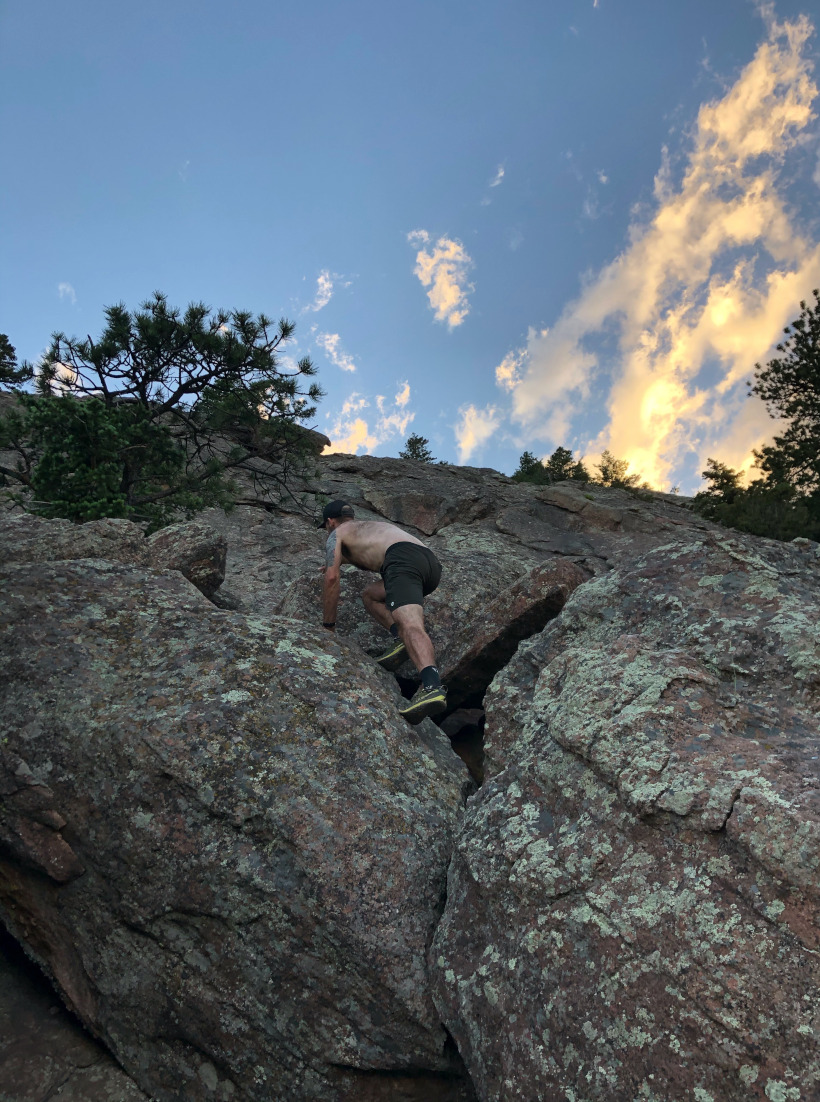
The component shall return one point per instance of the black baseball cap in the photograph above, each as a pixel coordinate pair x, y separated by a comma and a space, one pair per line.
336, 509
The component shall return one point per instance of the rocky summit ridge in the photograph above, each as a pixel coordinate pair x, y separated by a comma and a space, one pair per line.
250, 879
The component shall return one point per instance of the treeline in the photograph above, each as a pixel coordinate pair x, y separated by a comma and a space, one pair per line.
562, 466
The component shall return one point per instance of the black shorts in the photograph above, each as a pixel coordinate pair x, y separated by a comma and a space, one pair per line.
409, 572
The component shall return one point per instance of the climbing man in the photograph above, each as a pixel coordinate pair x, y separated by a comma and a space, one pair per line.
409, 571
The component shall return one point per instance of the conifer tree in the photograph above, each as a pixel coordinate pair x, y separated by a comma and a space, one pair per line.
417, 447
158, 414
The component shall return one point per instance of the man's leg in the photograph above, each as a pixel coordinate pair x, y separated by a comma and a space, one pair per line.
430, 698
373, 597
410, 619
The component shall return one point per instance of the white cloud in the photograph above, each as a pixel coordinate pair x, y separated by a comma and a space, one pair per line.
324, 292
351, 430
474, 427
508, 372
499, 176
330, 342
602, 177
444, 270
65, 290
702, 290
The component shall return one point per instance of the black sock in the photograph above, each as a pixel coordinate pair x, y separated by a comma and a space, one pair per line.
394, 630
430, 677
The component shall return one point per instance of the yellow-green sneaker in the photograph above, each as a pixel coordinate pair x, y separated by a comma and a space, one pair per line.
394, 656
424, 702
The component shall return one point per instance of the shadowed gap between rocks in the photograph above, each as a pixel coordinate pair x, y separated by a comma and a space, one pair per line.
414, 1085
469, 679
45, 1050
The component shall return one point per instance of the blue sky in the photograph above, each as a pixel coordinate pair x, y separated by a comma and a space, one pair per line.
502, 226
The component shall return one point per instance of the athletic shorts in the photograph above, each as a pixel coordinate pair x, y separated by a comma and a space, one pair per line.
409, 572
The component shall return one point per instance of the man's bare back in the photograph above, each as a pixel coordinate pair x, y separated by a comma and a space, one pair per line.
364, 543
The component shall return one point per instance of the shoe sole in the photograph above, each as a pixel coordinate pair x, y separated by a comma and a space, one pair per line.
393, 661
423, 710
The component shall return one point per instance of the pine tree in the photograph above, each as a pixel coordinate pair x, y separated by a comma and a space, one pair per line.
156, 416
417, 447
612, 472
789, 384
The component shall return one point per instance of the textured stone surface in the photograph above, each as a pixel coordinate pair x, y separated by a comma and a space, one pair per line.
486, 529
224, 809
194, 548
45, 1055
220, 840
633, 904
28, 538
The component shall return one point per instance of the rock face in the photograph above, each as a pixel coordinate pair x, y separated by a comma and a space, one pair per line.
252, 880
220, 839
633, 905
195, 549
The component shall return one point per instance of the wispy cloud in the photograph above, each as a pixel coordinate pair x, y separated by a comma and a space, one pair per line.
443, 269
331, 343
351, 430
65, 290
499, 176
324, 292
473, 428
701, 292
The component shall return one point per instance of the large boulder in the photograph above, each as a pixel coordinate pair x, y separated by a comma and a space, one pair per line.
194, 548
25, 537
633, 904
221, 841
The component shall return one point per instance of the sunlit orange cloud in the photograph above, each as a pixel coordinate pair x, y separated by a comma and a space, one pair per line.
443, 269
350, 431
689, 330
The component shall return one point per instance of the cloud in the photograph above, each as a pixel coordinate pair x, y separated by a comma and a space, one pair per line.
351, 431
330, 343
65, 290
473, 428
508, 372
324, 292
703, 289
444, 270
499, 176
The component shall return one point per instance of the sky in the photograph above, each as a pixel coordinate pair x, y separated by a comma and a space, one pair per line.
502, 226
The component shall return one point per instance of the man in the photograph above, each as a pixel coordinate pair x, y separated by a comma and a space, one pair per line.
409, 572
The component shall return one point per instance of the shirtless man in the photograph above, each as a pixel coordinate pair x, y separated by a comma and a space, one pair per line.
409, 572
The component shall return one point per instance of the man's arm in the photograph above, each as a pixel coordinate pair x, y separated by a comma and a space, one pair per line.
333, 573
